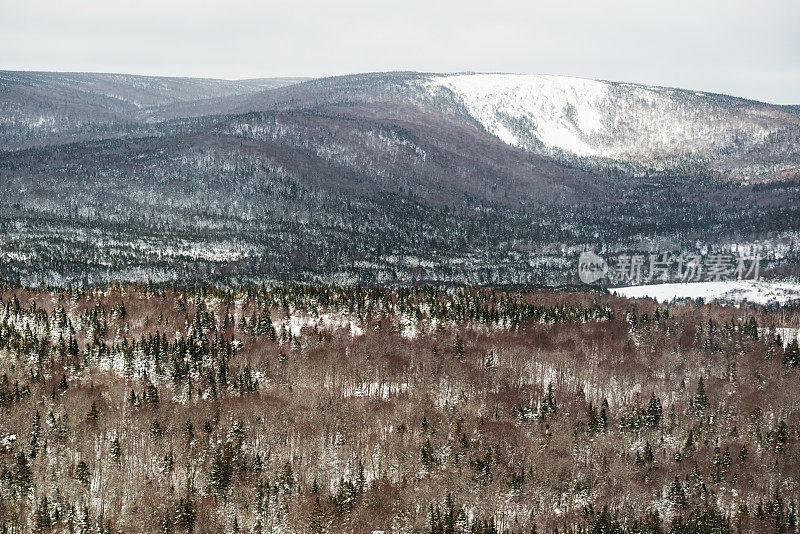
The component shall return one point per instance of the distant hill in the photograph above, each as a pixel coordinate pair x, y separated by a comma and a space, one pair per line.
38, 108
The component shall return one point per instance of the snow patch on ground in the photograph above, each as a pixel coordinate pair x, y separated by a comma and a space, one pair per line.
728, 292
380, 390
325, 321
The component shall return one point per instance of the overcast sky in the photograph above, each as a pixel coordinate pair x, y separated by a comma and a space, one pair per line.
745, 48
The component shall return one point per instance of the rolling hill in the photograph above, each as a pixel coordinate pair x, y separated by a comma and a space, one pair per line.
39, 108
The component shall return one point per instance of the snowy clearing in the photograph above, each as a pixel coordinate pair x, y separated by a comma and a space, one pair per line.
727, 292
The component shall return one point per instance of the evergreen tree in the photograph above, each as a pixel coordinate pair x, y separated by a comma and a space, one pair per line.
654, 411
221, 475
41, 516
427, 456
82, 473
676, 494
791, 355
23, 476
116, 450
185, 515
701, 401
151, 395
548, 405
316, 522
36, 432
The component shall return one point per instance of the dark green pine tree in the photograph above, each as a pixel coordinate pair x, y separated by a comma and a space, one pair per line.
751, 329
85, 523
654, 411
185, 514
594, 424
602, 421
151, 395
36, 433
361, 481
791, 356
649, 455
677, 495
82, 474
221, 476
93, 413
701, 401
779, 436
459, 345
23, 476
41, 517
427, 456
316, 521
116, 450
188, 432
548, 405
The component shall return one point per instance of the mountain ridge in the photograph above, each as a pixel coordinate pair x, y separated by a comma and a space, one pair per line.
597, 125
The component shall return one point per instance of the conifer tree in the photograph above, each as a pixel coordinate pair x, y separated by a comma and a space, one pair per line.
36, 432
654, 411
115, 450
185, 515
221, 475
791, 355
23, 476
92, 413
82, 473
548, 405
701, 401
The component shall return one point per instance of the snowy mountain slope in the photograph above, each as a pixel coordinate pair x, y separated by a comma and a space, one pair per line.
619, 128
654, 128
599, 125
557, 112
139, 91
38, 108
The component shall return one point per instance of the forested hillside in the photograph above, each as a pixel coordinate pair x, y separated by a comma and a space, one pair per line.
325, 198
381, 178
41, 108
342, 409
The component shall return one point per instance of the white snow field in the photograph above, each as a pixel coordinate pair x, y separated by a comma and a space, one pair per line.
562, 111
592, 118
727, 292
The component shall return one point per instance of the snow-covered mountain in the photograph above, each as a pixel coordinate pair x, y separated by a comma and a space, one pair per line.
599, 125
596, 125
652, 128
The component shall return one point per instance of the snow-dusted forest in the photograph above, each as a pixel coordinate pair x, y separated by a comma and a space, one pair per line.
344, 409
